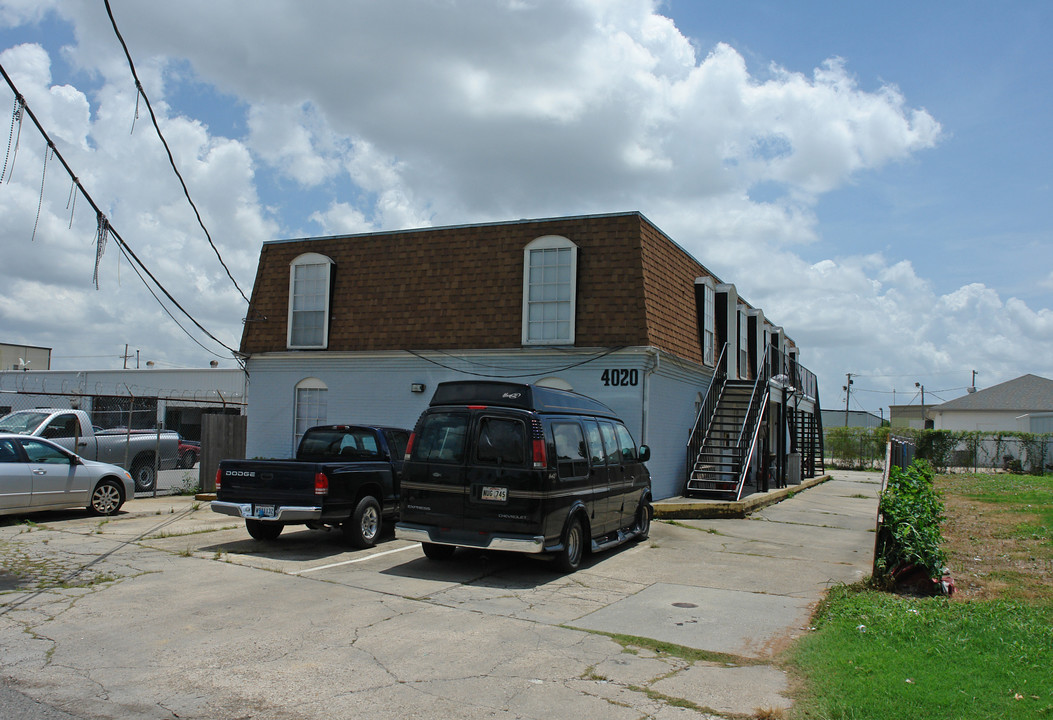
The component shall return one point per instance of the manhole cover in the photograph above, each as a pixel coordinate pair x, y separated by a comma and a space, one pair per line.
684, 605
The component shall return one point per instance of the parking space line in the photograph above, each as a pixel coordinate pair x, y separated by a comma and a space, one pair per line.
356, 560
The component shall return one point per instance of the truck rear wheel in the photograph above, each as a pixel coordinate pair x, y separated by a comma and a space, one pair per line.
143, 474
261, 530
364, 526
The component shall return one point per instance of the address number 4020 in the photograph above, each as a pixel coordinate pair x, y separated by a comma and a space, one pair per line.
620, 378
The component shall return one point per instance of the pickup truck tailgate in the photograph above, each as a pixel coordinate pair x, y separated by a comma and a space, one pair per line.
269, 490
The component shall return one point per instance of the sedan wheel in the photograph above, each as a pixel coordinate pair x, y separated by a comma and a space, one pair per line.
107, 498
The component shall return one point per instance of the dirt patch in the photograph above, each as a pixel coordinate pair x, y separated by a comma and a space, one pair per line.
990, 557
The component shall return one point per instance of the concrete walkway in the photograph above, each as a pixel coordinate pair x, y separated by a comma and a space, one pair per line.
170, 610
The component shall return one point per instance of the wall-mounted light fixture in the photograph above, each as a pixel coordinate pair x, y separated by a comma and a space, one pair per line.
417, 387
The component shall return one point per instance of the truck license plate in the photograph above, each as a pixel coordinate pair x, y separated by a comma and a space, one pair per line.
498, 494
264, 511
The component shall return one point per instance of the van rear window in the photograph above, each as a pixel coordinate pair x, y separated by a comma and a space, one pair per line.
441, 438
501, 441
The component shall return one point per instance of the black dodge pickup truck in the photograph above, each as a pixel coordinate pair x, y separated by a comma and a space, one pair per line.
344, 476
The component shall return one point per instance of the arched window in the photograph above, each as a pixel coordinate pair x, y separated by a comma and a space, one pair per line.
311, 407
309, 276
550, 271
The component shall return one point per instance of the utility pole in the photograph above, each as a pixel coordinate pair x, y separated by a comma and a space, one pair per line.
126, 356
922, 387
848, 394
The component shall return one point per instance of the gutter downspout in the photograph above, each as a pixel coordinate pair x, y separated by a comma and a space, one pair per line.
644, 414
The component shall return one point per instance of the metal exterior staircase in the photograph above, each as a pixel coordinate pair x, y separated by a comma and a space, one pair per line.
718, 465
720, 456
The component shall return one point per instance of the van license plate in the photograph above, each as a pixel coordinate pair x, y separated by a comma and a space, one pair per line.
264, 511
497, 494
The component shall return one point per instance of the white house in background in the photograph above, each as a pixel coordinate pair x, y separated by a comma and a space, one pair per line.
1023, 404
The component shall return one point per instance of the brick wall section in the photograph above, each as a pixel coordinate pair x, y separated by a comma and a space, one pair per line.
669, 289
462, 287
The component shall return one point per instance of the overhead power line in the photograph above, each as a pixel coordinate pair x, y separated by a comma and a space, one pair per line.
171, 160
105, 229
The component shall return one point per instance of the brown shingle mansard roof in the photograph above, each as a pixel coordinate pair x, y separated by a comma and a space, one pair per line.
461, 287
1028, 393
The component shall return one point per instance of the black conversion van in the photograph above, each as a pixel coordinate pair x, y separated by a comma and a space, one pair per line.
510, 466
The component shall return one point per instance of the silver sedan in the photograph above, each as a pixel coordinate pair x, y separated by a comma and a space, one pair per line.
36, 474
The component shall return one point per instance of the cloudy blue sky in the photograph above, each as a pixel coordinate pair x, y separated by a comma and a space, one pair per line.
877, 177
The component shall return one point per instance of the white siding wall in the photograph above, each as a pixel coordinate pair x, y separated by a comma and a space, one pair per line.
986, 421
375, 388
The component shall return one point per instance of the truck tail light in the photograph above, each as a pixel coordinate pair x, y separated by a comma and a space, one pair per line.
218, 476
321, 484
409, 446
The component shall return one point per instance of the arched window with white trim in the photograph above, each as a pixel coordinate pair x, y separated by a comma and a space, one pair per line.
309, 278
311, 407
550, 270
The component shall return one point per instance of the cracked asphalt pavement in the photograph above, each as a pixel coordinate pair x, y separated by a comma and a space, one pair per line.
169, 610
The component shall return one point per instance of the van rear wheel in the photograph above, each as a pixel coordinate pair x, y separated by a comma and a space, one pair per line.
434, 551
569, 558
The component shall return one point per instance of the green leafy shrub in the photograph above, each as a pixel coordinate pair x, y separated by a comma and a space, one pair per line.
912, 513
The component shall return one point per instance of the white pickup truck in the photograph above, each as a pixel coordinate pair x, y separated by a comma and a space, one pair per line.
141, 452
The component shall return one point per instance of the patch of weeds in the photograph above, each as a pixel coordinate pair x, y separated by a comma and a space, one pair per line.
591, 674
189, 486
165, 534
634, 643
187, 552
677, 523
670, 700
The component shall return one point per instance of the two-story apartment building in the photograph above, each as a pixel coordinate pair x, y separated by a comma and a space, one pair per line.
357, 328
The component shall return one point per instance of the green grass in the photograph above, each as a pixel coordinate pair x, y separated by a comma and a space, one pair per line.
875, 655
888, 657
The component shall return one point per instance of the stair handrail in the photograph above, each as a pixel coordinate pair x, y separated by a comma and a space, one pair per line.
753, 448
759, 387
751, 421
696, 440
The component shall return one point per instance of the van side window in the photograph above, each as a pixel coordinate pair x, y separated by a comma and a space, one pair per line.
501, 441
626, 444
441, 438
610, 442
592, 434
571, 459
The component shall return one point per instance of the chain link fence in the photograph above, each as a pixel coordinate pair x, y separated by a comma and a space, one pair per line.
947, 450
131, 431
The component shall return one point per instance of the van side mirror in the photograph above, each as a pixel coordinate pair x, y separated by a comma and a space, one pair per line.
645, 453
